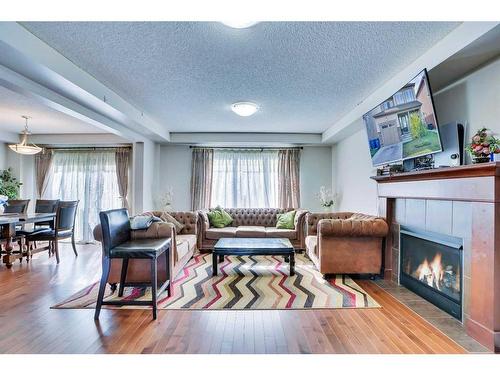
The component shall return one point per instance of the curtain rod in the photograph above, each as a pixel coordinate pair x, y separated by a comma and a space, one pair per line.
247, 148
87, 148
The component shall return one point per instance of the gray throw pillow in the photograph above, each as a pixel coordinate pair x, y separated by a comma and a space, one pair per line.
170, 219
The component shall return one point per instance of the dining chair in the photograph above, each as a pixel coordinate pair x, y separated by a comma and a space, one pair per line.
118, 244
46, 206
17, 206
64, 228
42, 206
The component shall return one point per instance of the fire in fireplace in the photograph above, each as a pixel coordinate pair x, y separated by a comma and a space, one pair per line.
431, 266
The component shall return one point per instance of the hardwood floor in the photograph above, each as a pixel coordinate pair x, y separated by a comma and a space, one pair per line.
28, 325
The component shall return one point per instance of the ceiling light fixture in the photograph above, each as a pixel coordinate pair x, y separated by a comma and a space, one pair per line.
244, 109
23, 147
239, 24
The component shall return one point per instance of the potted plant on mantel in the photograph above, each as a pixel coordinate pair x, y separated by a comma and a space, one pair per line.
326, 198
9, 187
484, 146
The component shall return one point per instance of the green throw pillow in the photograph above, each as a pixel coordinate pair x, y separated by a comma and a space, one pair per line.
219, 218
286, 220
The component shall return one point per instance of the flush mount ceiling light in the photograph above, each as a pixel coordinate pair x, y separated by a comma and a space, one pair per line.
244, 109
239, 24
23, 147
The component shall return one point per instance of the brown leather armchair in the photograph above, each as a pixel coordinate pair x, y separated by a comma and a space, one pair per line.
345, 242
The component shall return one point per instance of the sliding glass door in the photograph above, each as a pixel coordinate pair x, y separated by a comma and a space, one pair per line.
87, 176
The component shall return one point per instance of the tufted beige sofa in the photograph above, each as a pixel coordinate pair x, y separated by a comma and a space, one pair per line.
345, 242
252, 222
185, 245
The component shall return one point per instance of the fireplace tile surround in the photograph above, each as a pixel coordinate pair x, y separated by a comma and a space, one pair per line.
431, 265
459, 201
445, 217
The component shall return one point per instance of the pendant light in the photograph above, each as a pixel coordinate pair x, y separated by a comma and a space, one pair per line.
23, 147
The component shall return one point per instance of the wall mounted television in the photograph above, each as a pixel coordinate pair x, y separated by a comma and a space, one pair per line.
405, 125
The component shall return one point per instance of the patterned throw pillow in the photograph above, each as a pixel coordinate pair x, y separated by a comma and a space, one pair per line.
219, 218
166, 217
286, 220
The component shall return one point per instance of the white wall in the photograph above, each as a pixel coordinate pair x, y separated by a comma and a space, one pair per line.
315, 171
3, 156
352, 169
151, 170
473, 100
145, 176
175, 172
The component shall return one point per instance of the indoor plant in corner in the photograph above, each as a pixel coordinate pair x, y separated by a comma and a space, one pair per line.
9, 187
326, 198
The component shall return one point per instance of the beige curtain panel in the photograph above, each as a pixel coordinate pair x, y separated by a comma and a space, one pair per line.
289, 178
43, 161
122, 160
201, 178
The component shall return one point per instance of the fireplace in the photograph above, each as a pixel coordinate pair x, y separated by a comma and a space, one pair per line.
431, 266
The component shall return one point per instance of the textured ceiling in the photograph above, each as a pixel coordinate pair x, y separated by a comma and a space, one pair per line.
44, 119
185, 75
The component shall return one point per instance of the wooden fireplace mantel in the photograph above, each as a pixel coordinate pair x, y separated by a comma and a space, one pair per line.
464, 171
479, 184
471, 183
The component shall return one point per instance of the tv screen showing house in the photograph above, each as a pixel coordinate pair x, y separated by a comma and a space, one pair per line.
404, 126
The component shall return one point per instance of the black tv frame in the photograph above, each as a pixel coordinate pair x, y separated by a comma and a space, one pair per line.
400, 161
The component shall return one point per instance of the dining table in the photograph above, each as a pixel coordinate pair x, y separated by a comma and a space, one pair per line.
8, 224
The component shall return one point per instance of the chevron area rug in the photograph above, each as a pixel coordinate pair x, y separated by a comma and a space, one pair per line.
256, 282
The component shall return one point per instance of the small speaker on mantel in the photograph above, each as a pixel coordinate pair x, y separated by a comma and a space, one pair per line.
452, 138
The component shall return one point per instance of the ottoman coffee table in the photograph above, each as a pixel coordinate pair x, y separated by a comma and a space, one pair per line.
253, 246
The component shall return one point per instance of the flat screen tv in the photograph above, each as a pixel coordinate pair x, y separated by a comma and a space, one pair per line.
405, 125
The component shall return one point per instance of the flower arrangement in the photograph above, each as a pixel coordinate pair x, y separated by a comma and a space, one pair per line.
483, 145
326, 197
167, 198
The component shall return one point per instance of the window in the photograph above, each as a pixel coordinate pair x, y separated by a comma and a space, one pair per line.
87, 176
404, 96
245, 178
388, 104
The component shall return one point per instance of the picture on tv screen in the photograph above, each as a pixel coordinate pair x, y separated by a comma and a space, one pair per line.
404, 126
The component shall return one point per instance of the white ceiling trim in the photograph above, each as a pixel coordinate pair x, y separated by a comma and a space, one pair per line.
446, 47
24, 53
22, 85
77, 139
259, 139
9, 137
